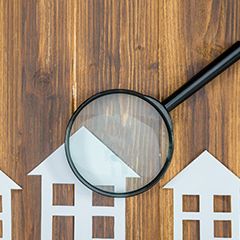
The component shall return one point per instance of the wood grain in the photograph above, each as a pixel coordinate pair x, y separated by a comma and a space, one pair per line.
222, 229
190, 203
100, 200
103, 227
63, 194
11, 113
1, 229
63, 228
1, 204
191, 229
56, 54
222, 204
192, 34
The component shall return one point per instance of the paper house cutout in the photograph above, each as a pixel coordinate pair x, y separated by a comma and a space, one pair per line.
6, 186
206, 177
109, 169
55, 170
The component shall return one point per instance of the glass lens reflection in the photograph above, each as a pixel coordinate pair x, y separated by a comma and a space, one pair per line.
119, 140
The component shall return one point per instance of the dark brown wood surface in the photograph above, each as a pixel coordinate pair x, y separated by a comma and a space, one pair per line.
55, 54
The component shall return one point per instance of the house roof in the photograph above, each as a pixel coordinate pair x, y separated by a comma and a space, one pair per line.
205, 172
87, 149
7, 183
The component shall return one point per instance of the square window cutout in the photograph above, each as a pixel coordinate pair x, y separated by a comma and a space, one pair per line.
103, 201
191, 230
103, 227
222, 229
1, 229
63, 194
190, 203
63, 228
0, 203
222, 203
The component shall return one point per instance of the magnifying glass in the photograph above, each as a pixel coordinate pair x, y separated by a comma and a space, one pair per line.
119, 143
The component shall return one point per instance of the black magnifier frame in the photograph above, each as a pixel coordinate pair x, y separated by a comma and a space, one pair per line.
164, 115
212, 70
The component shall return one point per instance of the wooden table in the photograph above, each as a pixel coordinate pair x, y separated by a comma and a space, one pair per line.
56, 54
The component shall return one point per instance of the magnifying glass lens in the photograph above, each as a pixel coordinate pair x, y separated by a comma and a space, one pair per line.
118, 143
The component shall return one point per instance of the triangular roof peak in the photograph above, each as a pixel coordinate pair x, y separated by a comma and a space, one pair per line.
205, 172
7, 182
89, 148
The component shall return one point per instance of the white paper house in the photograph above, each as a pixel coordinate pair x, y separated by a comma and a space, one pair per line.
55, 170
207, 178
6, 185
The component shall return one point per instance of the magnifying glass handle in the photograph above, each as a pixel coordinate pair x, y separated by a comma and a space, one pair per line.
216, 67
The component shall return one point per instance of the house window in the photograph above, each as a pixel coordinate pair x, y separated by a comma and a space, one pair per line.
63, 228
103, 227
222, 203
191, 230
0, 203
100, 200
63, 194
190, 203
1, 229
222, 229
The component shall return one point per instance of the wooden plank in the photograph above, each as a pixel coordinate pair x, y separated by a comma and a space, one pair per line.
63, 228
1, 204
191, 230
192, 34
56, 54
11, 150
190, 203
103, 227
100, 200
222, 229
63, 194
46, 88
117, 47
222, 204
1, 229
